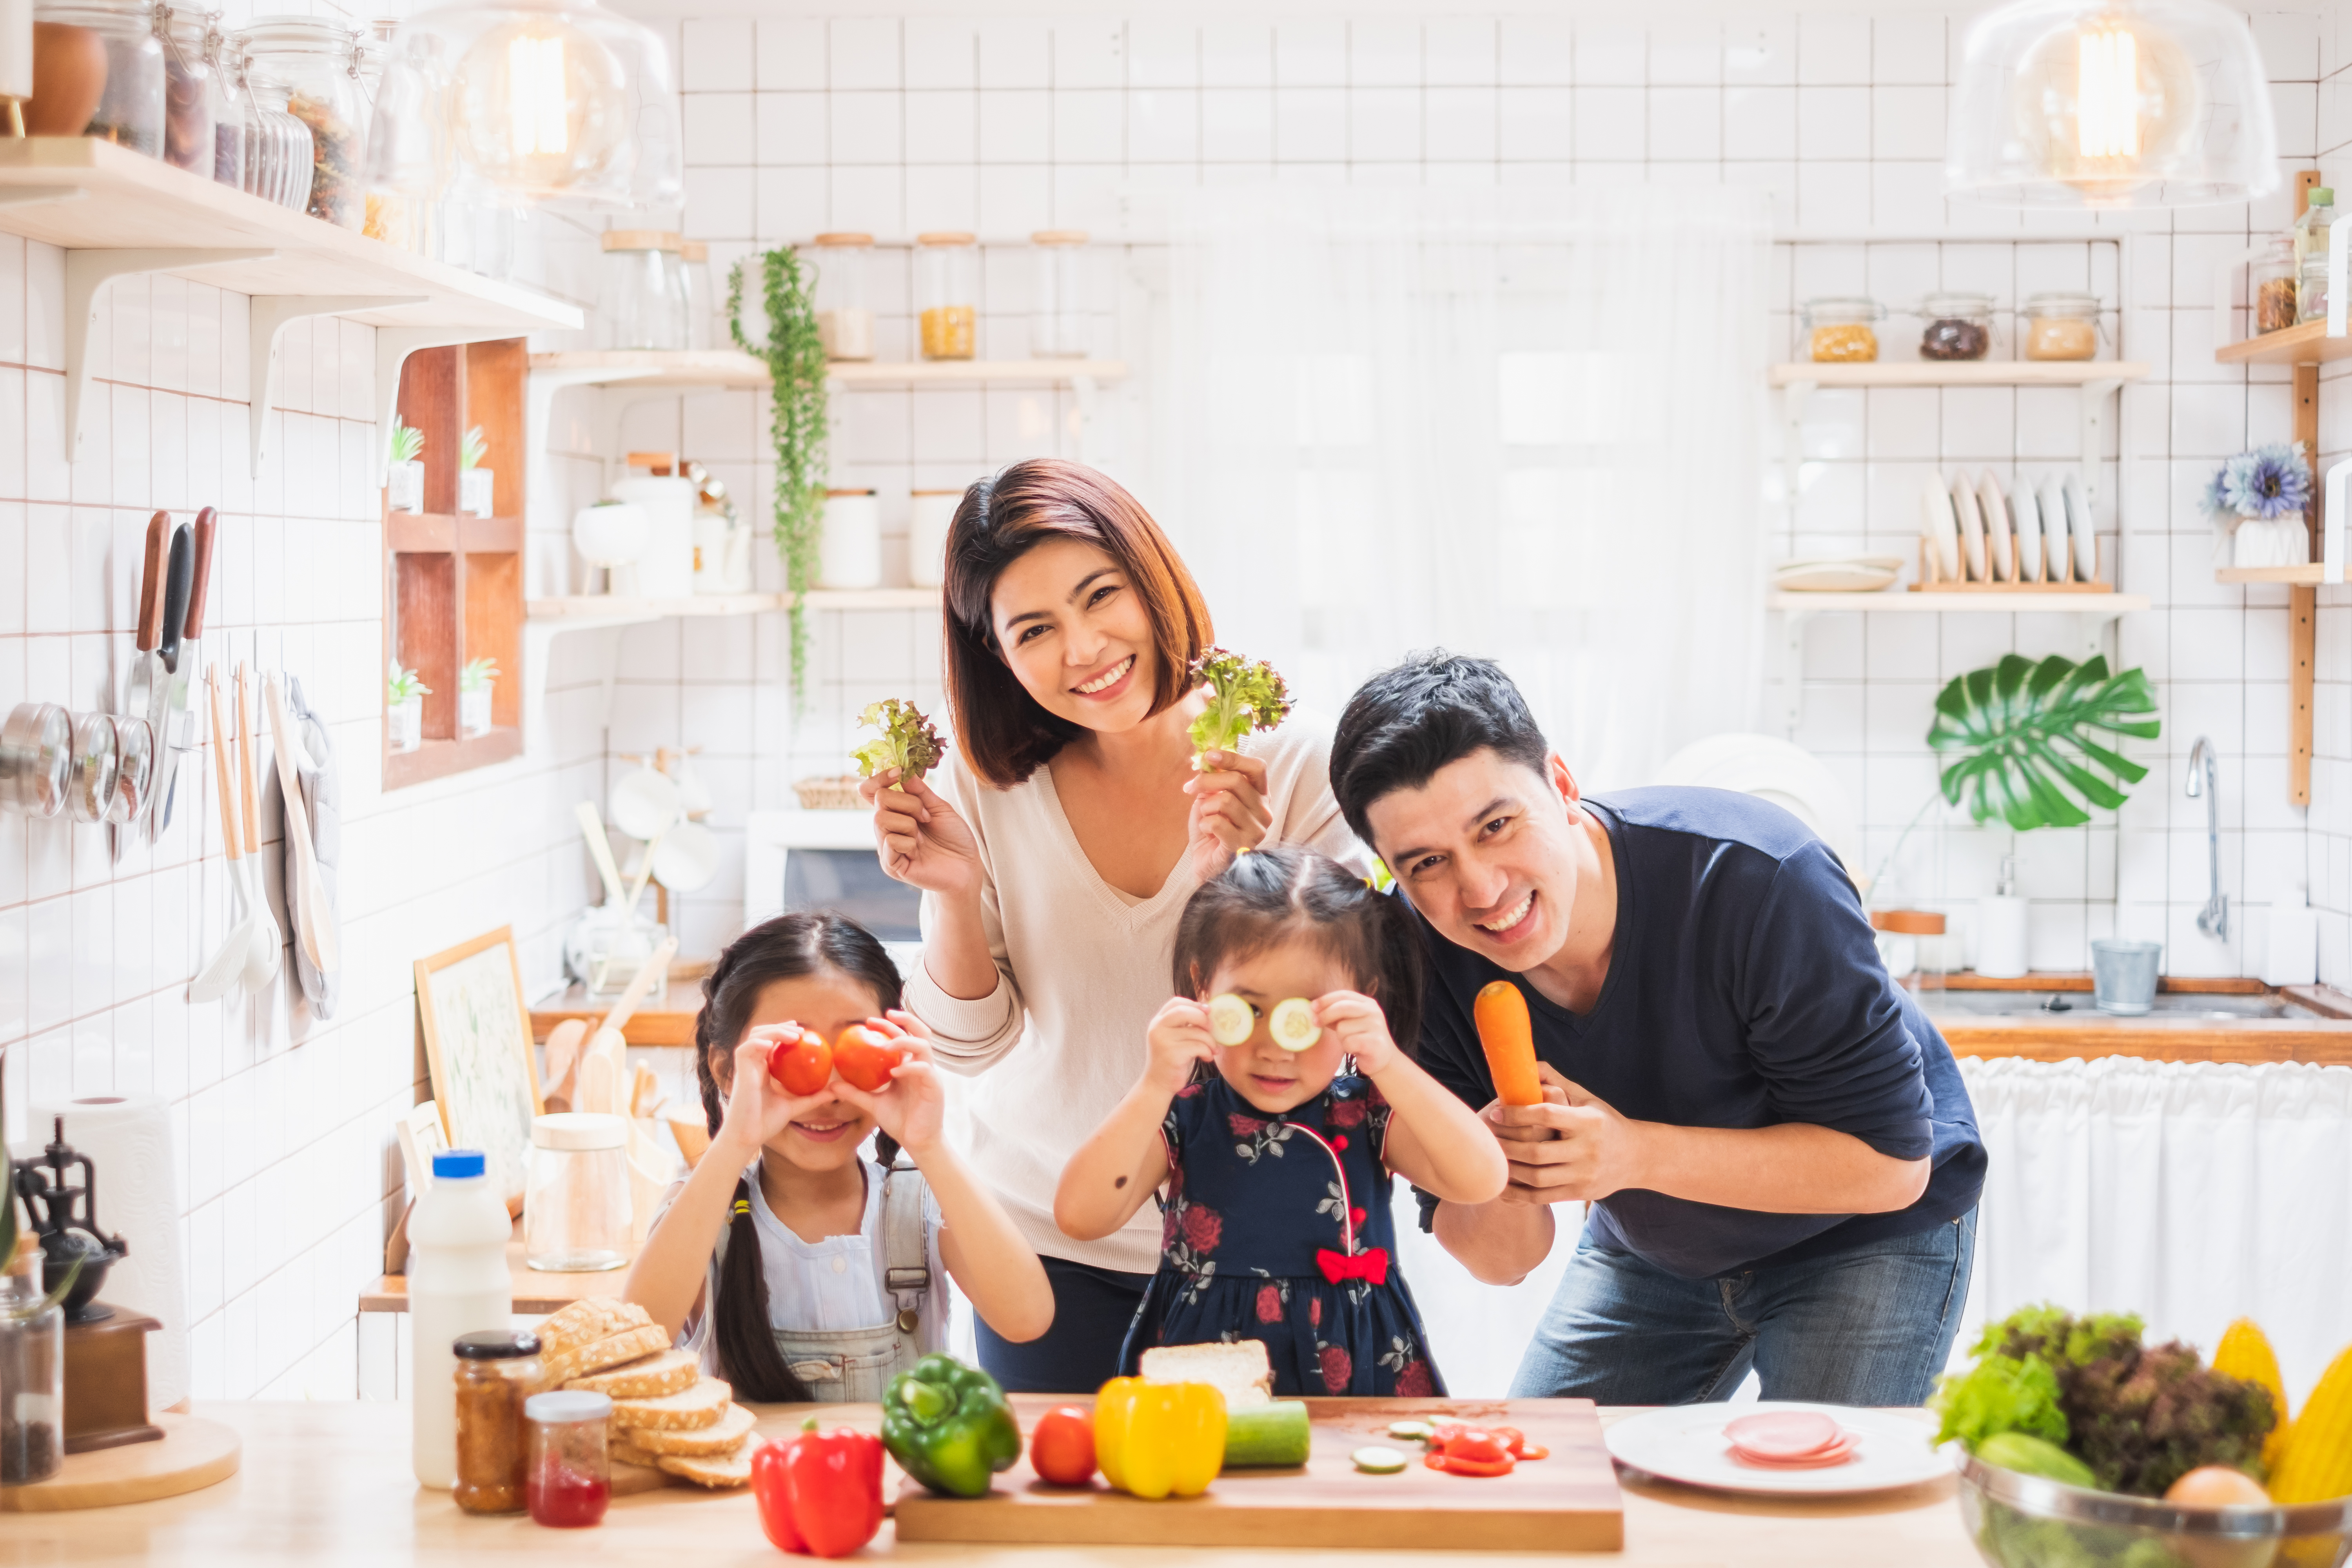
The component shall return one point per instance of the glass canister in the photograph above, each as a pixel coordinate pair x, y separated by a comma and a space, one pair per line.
845, 313
309, 68
390, 215
1842, 329
32, 1373
643, 288
575, 1206
2061, 325
947, 293
130, 111
694, 284
1057, 320
191, 104
2271, 278
571, 1479
1960, 326
498, 1371
229, 108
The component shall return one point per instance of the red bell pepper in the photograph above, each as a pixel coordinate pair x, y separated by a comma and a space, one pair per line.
820, 1495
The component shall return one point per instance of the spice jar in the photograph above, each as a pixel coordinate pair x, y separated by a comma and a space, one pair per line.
571, 1478
1057, 320
844, 315
190, 102
946, 292
496, 1370
2271, 277
230, 110
1841, 331
1960, 326
2061, 325
32, 1373
308, 68
130, 111
644, 289
575, 1206
694, 284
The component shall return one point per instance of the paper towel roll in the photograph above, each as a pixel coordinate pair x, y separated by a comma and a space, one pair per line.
129, 1140
2002, 938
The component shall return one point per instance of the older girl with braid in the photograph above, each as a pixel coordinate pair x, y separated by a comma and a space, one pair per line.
797, 1271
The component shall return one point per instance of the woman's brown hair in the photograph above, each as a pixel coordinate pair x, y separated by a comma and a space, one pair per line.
1002, 731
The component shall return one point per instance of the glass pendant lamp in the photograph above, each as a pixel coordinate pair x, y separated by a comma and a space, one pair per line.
2111, 103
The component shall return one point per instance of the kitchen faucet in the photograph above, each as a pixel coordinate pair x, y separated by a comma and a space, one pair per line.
2213, 920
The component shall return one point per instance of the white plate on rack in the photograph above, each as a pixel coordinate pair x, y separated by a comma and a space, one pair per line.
2078, 524
1685, 1443
2025, 518
1972, 529
1941, 526
2056, 531
2003, 544
1838, 575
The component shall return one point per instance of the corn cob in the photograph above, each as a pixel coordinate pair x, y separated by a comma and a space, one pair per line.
2317, 1462
2245, 1353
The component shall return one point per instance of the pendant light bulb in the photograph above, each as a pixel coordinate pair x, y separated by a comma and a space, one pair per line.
541, 106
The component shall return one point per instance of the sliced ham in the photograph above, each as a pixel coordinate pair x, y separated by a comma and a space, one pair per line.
1783, 1434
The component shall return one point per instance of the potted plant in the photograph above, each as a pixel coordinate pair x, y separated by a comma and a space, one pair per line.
403, 700
404, 488
474, 685
2258, 499
793, 350
473, 481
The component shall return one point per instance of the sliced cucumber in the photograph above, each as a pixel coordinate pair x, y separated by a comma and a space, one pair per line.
1266, 1436
1378, 1461
1412, 1431
1232, 1021
1293, 1024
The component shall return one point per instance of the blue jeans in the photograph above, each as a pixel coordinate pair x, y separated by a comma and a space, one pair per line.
1871, 1325
1092, 1308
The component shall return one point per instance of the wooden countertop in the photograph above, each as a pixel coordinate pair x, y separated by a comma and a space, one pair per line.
670, 1023
329, 1483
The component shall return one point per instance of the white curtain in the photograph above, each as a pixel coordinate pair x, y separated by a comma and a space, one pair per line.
1518, 423
2191, 1193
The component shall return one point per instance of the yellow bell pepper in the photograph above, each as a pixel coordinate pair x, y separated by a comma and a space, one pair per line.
1160, 1439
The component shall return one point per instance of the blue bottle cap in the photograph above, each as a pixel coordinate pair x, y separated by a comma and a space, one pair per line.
458, 1162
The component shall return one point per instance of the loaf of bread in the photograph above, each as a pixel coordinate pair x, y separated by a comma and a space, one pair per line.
714, 1471
599, 1355
722, 1437
700, 1405
586, 1322
672, 1372
1237, 1368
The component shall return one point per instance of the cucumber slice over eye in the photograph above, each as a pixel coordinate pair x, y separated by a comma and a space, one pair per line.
1231, 1020
1378, 1461
1293, 1024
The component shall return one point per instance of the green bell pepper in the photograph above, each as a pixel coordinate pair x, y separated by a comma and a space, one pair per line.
948, 1425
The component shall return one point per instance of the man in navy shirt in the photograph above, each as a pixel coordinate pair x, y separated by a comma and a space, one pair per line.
1779, 1156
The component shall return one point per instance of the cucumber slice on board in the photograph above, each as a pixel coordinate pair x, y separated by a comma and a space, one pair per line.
1378, 1461
1262, 1436
1412, 1431
1293, 1024
1232, 1021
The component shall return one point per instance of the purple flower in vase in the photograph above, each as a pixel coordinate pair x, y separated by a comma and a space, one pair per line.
2268, 482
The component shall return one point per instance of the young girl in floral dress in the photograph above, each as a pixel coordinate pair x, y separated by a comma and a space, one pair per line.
1276, 1158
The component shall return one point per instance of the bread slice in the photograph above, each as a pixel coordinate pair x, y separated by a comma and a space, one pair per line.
615, 1350
701, 1406
1236, 1368
723, 1436
586, 1322
714, 1471
672, 1372
625, 1453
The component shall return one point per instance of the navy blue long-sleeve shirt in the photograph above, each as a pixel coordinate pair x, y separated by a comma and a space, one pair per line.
1744, 990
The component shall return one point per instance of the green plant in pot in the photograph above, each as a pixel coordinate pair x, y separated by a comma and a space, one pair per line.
794, 352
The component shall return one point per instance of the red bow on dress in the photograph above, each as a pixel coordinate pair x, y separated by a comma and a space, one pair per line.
1370, 1265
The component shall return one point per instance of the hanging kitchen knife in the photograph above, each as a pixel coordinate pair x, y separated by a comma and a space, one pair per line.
187, 666
176, 579
147, 672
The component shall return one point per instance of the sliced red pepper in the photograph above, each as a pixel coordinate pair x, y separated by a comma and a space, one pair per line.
1479, 1447
1455, 1464
1520, 1447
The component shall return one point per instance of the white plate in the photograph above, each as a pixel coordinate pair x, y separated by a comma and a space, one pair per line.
1972, 529
1942, 527
2025, 518
1996, 525
1839, 575
2078, 524
1685, 1443
2054, 528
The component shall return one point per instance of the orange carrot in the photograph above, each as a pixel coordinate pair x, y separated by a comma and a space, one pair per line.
1509, 1042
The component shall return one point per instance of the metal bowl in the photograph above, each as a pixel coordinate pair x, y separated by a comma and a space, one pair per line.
2025, 1521
36, 758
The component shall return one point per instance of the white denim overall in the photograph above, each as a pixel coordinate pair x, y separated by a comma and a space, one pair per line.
853, 1366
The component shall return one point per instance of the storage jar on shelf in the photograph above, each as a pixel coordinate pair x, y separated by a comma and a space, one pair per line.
231, 112
644, 289
1842, 329
2311, 235
278, 162
664, 569
308, 68
191, 104
849, 550
844, 309
1057, 320
130, 111
1960, 326
947, 293
2061, 325
694, 288
932, 512
2271, 279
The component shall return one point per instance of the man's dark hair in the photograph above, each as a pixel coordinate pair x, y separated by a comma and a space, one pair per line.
1405, 723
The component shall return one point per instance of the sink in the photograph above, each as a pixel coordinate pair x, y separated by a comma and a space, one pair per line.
2060, 1008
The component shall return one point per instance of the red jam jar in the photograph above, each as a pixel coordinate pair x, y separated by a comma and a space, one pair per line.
570, 1481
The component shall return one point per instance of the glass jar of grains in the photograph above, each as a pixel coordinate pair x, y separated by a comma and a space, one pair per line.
2061, 325
497, 1369
1960, 326
845, 313
308, 67
947, 293
130, 111
1841, 331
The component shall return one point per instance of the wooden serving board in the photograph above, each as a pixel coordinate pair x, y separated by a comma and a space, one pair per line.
193, 1453
1569, 1503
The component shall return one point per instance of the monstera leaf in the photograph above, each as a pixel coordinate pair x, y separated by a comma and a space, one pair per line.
2022, 732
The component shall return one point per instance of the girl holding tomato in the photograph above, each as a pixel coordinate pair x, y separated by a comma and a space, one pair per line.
795, 1270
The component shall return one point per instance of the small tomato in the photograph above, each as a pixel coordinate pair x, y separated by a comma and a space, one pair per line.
865, 1056
801, 1066
1062, 1448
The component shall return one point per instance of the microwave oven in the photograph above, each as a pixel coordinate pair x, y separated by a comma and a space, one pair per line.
825, 860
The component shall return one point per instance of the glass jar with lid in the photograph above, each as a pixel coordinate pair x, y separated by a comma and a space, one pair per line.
1960, 326
947, 294
391, 215
498, 1371
2062, 324
1842, 329
2271, 279
1057, 320
694, 282
278, 164
644, 294
229, 108
844, 309
571, 1479
191, 104
309, 68
575, 1206
130, 111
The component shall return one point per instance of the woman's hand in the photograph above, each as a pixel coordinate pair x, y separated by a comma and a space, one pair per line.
922, 841
1362, 1030
1178, 1038
1229, 811
913, 1108
758, 1109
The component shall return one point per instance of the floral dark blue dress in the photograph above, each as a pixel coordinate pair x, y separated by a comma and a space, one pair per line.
1278, 1228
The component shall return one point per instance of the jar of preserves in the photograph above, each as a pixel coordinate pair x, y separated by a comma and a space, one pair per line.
191, 105
2271, 280
1057, 319
947, 293
498, 1371
2061, 325
844, 312
571, 1478
309, 68
1842, 329
575, 1206
1960, 326
130, 111
644, 289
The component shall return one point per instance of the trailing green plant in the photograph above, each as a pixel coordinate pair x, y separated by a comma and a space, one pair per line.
2022, 733
795, 356
472, 451
478, 675
404, 687
407, 441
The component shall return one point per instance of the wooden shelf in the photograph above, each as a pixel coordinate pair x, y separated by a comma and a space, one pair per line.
1960, 372
874, 599
439, 759
607, 609
2305, 577
2307, 344
653, 369
1990, 602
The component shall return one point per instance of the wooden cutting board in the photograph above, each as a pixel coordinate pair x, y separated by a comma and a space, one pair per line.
1567, 1502
193, 1453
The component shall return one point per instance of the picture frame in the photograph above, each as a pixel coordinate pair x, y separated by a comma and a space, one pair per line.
478, 1050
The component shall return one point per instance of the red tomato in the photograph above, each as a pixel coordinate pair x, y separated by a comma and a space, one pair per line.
865, 1056
801, 1066
1479, 1447
1062, 1448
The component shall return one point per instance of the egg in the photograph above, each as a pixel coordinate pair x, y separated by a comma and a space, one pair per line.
2218, 1485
